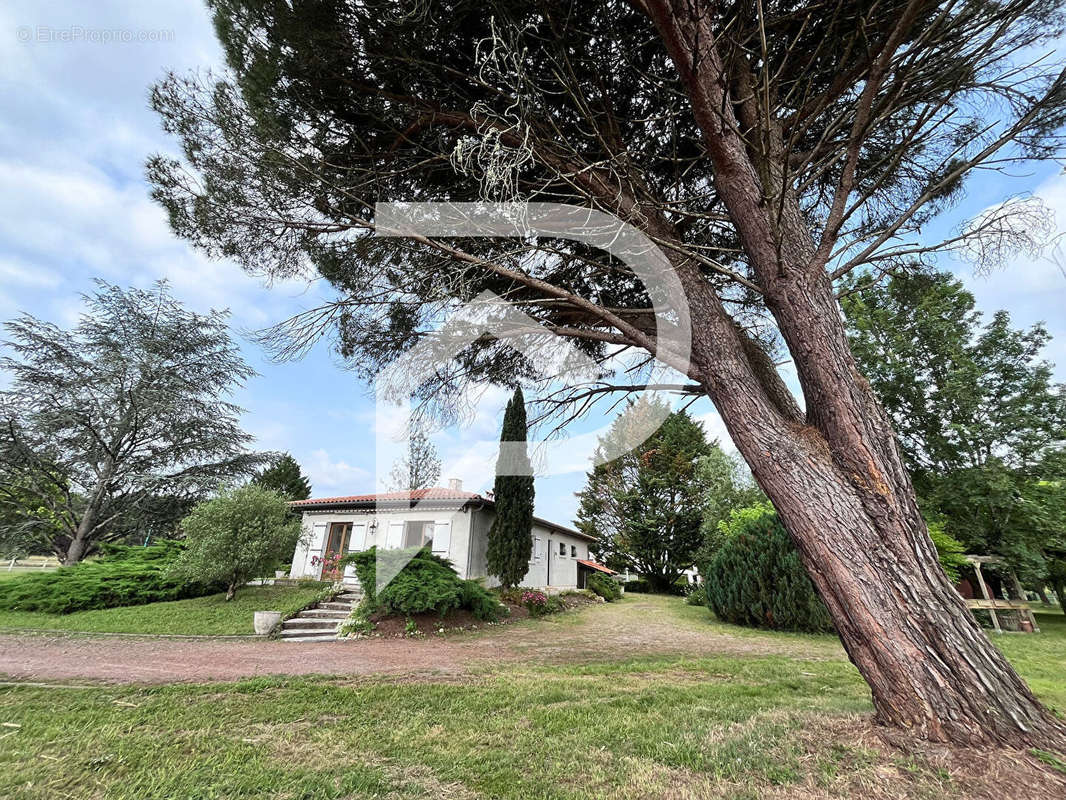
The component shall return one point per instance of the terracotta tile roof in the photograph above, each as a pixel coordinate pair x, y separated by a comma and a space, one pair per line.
432, 493
594, 565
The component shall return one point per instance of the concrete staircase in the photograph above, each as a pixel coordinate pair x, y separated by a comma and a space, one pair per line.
320, 624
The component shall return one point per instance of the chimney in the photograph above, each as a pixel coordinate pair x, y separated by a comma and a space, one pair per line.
455, 484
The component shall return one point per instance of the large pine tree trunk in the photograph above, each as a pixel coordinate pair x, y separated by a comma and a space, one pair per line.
834, 473
930, 667
840, 486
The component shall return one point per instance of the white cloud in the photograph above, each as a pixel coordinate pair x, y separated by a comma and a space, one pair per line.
715, 428
327, 474
14, 272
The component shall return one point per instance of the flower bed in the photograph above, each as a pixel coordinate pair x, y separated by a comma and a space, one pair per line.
395, 626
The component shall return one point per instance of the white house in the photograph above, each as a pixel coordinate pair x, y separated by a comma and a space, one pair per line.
454, 522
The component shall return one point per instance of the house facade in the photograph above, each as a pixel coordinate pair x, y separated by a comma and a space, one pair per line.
454, 523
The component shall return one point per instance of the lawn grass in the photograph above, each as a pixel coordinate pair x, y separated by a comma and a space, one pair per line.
738, 727
210, 615
539, 733
1040, 658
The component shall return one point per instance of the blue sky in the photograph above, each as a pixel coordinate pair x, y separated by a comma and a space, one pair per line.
75, 130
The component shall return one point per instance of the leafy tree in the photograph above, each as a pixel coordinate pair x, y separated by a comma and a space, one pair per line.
600, 512
125, 406
646, 507
511, 535
237, 536
770, 150
980, 420
420, 469
663, 509
285, 478
728, 486
28, 524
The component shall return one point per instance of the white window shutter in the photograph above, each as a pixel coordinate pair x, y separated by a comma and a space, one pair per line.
356, 543
394, 539
314, 548
538, 549
442, 536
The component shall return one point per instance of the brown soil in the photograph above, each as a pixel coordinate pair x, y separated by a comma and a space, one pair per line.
392, 627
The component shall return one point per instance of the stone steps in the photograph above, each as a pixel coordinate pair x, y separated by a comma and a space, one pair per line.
321, 623
311, 623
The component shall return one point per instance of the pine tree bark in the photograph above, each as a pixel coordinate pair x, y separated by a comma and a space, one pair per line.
834, 473
839, 484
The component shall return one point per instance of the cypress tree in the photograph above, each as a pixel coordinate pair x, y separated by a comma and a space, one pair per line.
510, 538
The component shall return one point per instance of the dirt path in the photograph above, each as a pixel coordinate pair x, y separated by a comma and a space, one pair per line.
638, 627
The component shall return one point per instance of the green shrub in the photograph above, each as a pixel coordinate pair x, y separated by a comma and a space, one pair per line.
479, 602
425, 583
949, 550
237, 536
605, 586
122, 576
756, 578
535, 601
638, 586
697, 595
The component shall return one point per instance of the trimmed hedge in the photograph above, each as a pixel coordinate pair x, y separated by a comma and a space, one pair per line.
123, 576
643, 586
638, 586
756, 579
426, 583
606, 587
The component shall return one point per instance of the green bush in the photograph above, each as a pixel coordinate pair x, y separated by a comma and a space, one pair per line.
638, 586
756, 578
697, 595
425, 583
122, 576
239, 535
482, 604
949, 550
605, 586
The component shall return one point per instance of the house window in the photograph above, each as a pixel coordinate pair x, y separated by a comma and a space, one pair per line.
339, 534
573, 551
538, 550
562, 548
417, 534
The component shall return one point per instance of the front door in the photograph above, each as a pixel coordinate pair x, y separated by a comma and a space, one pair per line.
337, 541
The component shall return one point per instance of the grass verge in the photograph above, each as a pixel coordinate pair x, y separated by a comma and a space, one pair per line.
210, 615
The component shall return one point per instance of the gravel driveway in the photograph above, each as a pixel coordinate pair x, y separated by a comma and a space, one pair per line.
638, 626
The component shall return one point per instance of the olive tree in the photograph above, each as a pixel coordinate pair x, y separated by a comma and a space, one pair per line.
237, 536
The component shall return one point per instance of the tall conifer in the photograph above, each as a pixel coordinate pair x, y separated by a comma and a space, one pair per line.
510, 538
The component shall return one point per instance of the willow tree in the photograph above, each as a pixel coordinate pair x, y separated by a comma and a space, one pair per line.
769, 148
